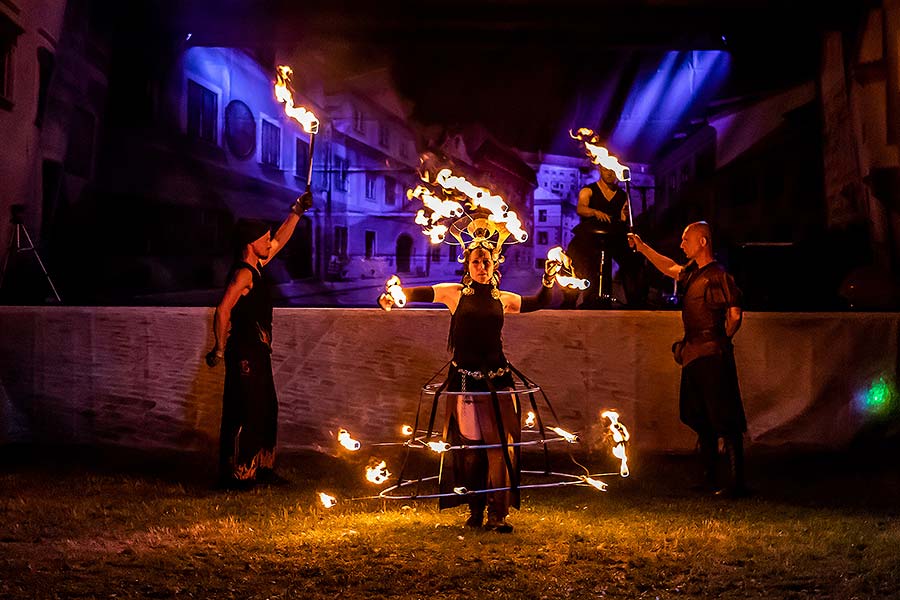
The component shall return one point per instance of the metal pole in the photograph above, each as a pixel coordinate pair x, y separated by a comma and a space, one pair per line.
309, 161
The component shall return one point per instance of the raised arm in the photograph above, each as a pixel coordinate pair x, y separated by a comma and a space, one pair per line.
666, 265
584, 207
286, 229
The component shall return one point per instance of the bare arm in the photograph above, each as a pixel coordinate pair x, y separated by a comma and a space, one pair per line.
239, 285
733, 319
286, 229
666, 265
584, 209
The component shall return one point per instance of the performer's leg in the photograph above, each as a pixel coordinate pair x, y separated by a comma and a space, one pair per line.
734, 450
266, 472
709, 460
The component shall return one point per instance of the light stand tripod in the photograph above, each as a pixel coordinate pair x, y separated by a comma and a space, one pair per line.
16, 246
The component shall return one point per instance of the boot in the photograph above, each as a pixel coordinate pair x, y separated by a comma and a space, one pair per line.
498, 508
476, 512
734, 450
709, 459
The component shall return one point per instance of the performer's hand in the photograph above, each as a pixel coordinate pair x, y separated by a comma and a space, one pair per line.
635, 242
303, 203
602, 216
386, 302
214, 357
551, 268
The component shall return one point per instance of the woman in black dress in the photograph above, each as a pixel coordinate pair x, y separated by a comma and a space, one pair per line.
477, 306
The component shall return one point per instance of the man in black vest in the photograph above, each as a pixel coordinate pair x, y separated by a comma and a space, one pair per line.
710, 402
242, 325
604, 217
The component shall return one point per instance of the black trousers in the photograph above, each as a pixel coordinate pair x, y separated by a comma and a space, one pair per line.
585, 252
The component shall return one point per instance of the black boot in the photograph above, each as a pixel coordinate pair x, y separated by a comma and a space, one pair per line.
476, 511
709, 459
734, 450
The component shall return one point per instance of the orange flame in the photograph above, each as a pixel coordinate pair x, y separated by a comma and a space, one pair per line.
439, 447
569, 437
326, 500
620, 437
306, 118
595, 482
480, 197
565, 272
346, 441
406, 430
600, 155
378, 474
530, 420
395, 291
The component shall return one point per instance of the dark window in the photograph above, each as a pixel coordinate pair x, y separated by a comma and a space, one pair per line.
46, 62
358, 123
270, 144
384, 135
370, 186
539, 263
240, 129
201, 112
340, 173
370, 244
436, 253
451, 253
301, 158
390, 191
8, 33
542, 216
80, 146
340, 241
542, 238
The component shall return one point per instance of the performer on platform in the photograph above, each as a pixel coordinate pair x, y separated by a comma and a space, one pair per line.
710, 401
242, 326
477, 306
604, 218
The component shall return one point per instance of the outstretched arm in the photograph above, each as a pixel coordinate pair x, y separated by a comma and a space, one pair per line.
286, 230
514, 303
666, 265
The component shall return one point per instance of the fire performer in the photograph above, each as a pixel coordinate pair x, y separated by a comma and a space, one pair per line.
477, 307
603, 209
710, 402
242, 325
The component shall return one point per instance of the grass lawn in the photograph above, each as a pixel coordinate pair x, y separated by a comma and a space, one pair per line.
91, 524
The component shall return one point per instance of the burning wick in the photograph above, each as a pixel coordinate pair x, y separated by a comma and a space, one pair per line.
620, 437
346, 441
595, 483
395, 291
406, 430
565, 273
378, 474
462, 491
530, 420
569, 437
439, 447
600, 155
326, 500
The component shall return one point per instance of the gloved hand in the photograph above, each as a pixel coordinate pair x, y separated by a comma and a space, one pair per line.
551, 268
303, 203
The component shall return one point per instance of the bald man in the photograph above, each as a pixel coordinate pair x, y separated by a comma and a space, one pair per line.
710, 398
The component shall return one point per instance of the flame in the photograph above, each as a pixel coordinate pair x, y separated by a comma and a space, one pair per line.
307, 119
620, 438
378, 474
565, 272
529, 420
326, 500
595, 482
462, 491
570, 437
439, 447
600, 155
346, 441
406, 430
396, 292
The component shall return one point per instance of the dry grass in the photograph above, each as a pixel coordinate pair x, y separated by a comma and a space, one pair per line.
129, 530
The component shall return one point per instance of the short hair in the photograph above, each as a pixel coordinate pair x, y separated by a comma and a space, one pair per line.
703, 229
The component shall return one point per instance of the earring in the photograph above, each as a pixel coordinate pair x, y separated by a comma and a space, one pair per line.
467, 285
495, 281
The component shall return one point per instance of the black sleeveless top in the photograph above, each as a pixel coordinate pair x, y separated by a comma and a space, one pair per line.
475, 330
251, 317
612, 207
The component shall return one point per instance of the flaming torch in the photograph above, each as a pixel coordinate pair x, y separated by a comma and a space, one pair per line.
378, 474
439, 447
346, 441
620, 438
569, 437
529, 420
565, 273
395, 291
326, 500
406, 431
304, 116
601, 156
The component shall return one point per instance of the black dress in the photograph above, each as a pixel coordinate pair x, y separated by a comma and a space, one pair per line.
479, 365
249, 403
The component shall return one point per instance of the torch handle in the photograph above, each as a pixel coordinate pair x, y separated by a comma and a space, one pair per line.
628, 204
309, 161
